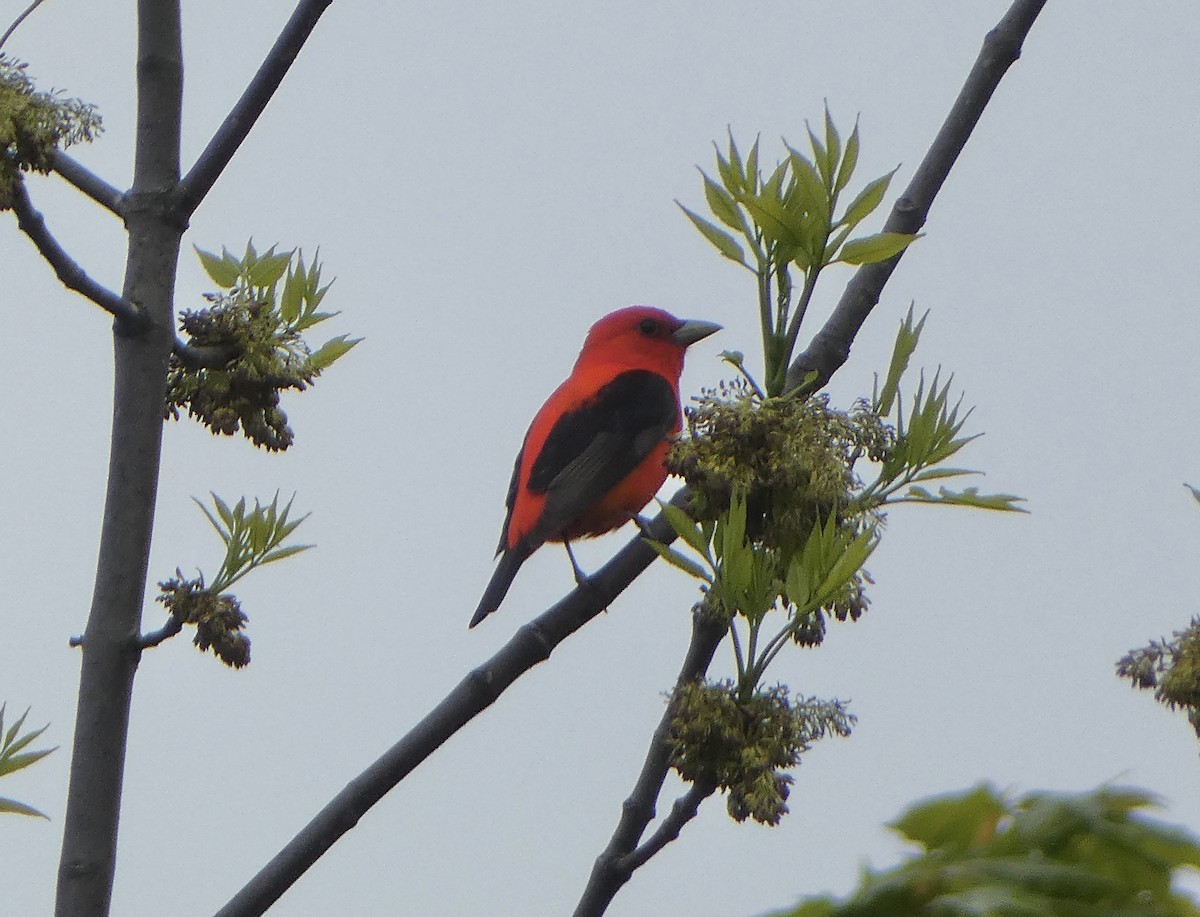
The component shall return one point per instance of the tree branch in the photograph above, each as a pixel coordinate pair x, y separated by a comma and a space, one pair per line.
89, 183
614, 867
110, 641
197, 357
164, 633
830, 347
531, 644
237, 125
686, 808
68, 271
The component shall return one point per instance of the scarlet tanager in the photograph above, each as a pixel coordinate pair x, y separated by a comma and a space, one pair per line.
593, 456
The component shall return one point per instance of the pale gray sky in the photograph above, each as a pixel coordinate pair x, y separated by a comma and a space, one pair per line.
485, 181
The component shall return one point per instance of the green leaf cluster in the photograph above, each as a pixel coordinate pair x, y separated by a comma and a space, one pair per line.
267, 302
253, 537
34, 124
983, 854
791, 220
1171, 668
743, 744
780, 523
14, 757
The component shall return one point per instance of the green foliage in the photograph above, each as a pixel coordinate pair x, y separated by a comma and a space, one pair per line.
788, 221
13, 758
743, 744
780, 525
253, 537
267, 302
34, 124
1171, 668
1044, 855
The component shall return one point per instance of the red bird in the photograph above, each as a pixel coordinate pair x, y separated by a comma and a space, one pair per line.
593, 456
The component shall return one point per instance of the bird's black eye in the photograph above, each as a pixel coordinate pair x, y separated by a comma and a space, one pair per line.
648, 327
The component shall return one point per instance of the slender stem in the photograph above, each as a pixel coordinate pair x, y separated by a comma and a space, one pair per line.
738, 656
238, 123
68, 271
16, 22
89, 183
684, 810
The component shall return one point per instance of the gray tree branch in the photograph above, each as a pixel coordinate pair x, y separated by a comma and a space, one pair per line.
238, 123
110, 650
830, 347
91, 184
67, 270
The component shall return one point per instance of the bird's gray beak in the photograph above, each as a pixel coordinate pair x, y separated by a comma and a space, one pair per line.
691, 331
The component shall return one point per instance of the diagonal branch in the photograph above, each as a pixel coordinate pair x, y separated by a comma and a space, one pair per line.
65, 267
830, 347
236, 126
531, 645
683, 811
614, 867
89, 183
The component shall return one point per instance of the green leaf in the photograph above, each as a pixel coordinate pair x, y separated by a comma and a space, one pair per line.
675, 559
723, 206
933, 474
281, 553
11, 806
686, 528
218, 269
269, 269
331, 351
849, 160
721, 240
968, 497
876, 248
833, 144
867, 200
12, 763
906, 342
955, 823
820, 158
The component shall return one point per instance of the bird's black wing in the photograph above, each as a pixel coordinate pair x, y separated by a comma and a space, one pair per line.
590, 449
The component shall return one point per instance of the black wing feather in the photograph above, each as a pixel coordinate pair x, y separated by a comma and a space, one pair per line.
590, 449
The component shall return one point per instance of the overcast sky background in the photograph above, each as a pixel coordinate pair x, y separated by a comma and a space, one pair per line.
484, 181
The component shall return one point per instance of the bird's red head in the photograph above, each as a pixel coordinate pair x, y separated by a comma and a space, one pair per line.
642, 336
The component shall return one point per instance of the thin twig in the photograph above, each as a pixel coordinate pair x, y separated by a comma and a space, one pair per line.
830, 347
73, 276
686, 808
237, 125
166, 632
89, 183
16, 22
196, 357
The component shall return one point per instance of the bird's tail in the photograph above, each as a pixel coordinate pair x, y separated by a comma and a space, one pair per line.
497, 587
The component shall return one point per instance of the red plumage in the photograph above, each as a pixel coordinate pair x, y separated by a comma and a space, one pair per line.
593, 455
